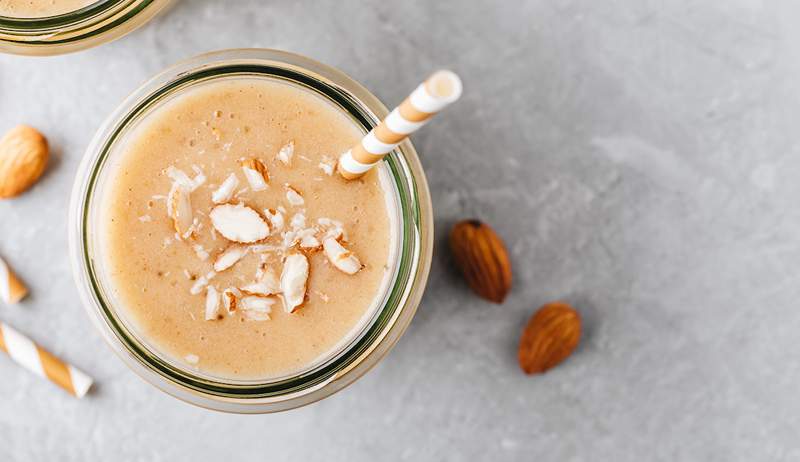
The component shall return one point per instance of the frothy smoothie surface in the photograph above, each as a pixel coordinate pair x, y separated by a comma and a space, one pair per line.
229, 241
40, 8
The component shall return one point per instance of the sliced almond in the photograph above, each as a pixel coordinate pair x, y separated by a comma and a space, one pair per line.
256, 308
229, 257
225, 191
238, 223
179, 176
294, 197
275, 218
342, 259
179, 208
256, 174
293, 281
286, 153
308, 239
331, 228
212, 303
267, 284
229, 297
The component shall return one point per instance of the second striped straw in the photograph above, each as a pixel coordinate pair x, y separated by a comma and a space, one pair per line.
437, 92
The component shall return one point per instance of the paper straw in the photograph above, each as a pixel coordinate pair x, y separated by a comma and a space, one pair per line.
439, 91
11, 288
41, 362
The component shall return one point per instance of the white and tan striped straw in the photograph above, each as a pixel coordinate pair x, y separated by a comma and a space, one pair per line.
434, 94
12, 289
41, 362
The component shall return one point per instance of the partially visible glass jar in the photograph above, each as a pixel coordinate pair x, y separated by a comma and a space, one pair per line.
398, 303
97, 23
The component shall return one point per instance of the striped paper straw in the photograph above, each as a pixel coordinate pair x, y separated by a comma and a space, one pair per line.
11, 288
41, 362
431, 96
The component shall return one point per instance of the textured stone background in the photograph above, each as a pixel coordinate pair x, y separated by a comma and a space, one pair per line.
641, 157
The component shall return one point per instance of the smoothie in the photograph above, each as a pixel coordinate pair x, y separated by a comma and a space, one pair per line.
227, 239
40, 8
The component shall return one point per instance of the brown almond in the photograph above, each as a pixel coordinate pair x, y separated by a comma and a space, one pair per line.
482, 258
23, 157
550, 337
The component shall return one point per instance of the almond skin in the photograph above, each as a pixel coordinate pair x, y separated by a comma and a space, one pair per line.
482, 258
550, 337
23, 157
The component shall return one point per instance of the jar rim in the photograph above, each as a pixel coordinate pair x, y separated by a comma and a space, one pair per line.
405, 291
98, 22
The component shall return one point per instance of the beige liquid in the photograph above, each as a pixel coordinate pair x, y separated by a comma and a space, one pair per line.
40, 8
212, 126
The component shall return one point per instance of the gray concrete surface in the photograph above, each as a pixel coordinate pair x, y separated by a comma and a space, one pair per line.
641, 157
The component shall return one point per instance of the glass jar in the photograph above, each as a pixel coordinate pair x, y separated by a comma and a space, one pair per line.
376, 337
97, 23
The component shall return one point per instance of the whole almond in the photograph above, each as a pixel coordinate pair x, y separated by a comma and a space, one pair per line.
550, 337
482, 258
23, 157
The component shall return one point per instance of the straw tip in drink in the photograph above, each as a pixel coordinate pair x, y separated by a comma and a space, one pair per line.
445, 85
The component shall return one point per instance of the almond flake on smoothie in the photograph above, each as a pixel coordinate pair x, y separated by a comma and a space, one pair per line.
179, 208
256, 174
308, 239
225, 191
229, 257
229, 297
256, 308
286, 153
212, 303
293, 281
267, 284
201, 283
342, 259
275, 218
239, 223
331, 228
293, 196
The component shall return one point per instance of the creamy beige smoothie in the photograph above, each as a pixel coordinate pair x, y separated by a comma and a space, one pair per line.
228, 240
40, 8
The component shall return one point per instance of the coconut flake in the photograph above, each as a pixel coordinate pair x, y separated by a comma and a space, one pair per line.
293, 281
201, 252
238, 223
275, 218
327, 165
212, 303
267, 284
229, 257
199, 285
179, 208
225, 191
255, 308
286, 153
256, 174
342, 259
293, 196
